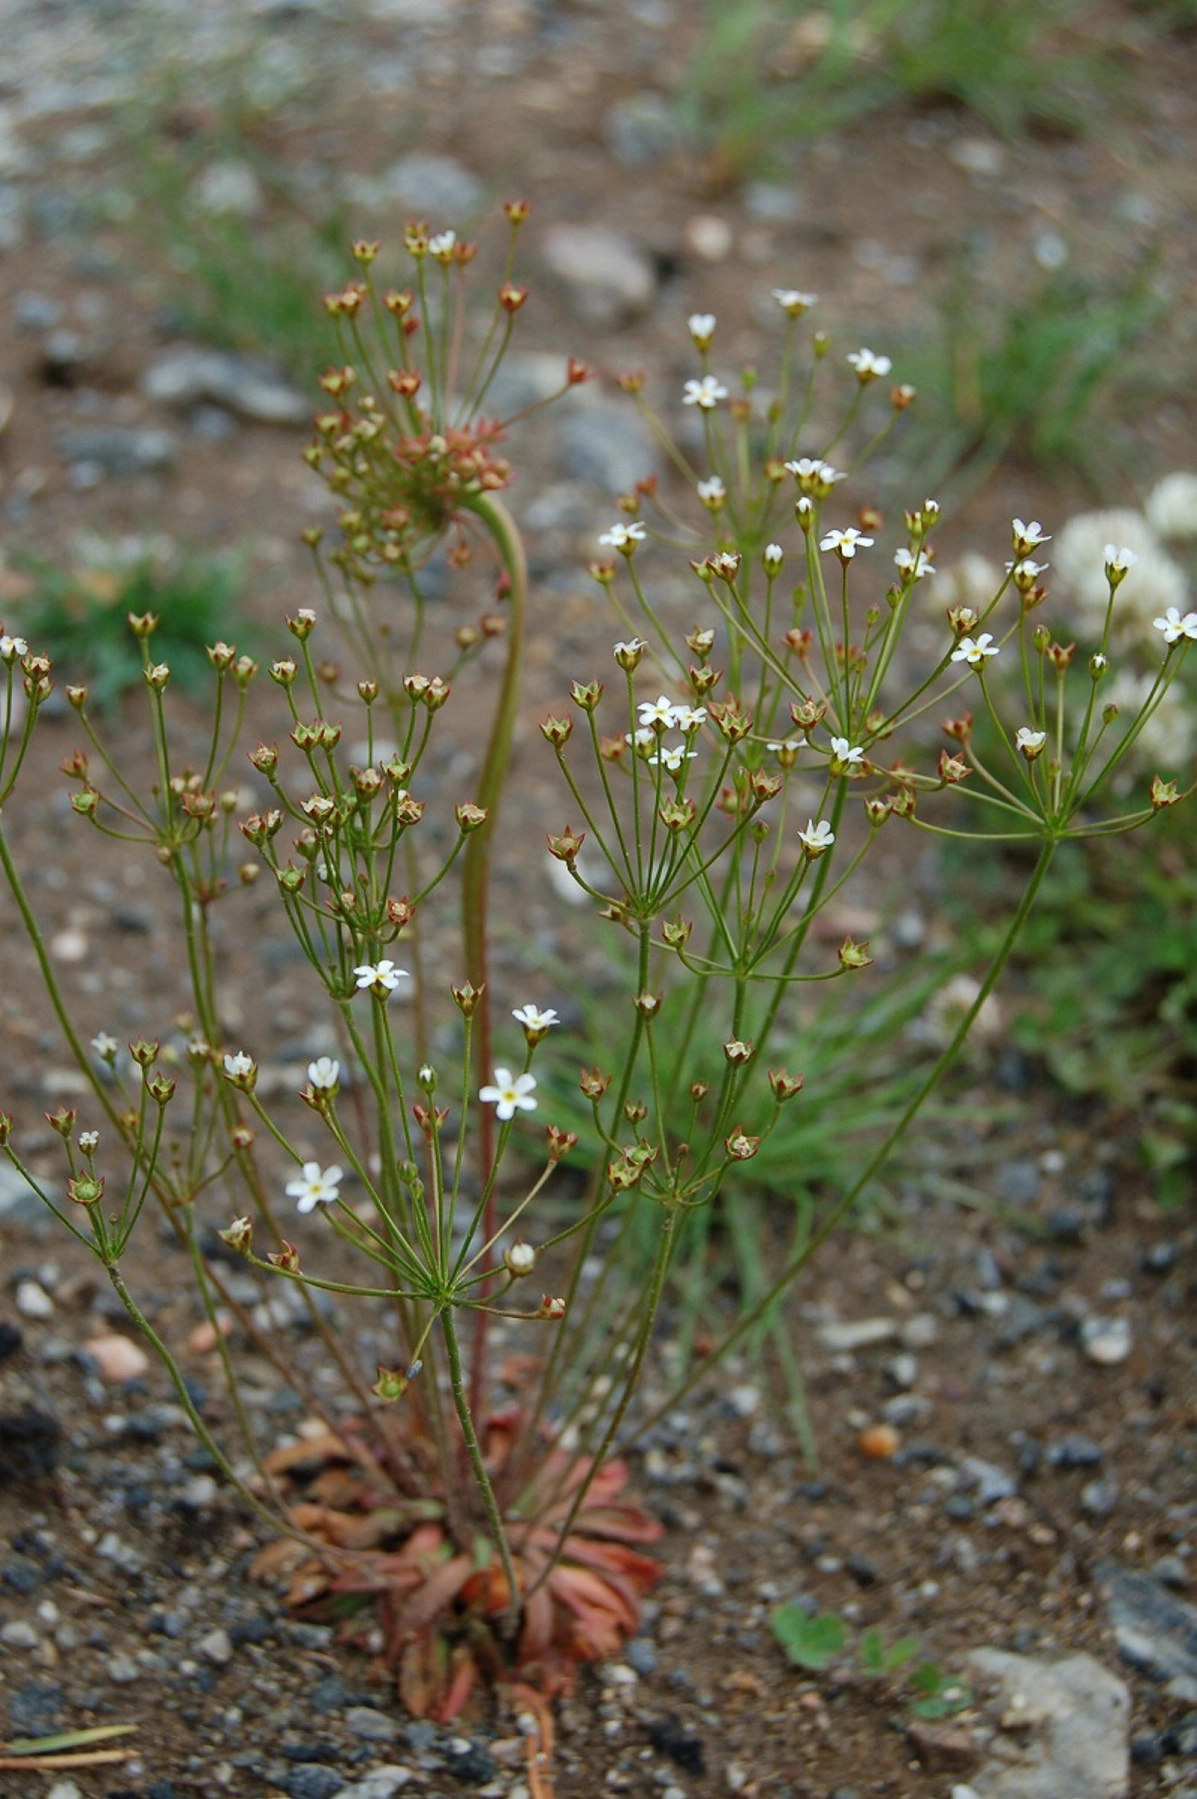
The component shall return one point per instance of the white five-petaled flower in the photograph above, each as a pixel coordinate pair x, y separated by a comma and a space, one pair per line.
643, 739
843, 752
789, 747
868, 367
316, 1186
975, 650
914, 566
671, 756
712, 492
1029, 743
1119, 561
623, 537
1175, 626
105, 1046
380, 977
793, 302
89, 1141
511, 1093
688, 718
705, 394
533, 1019
817, 837
12, 647
1026, 569
701, 326
633, 648
442, 244
660, 711
238, 1065
1027, 537
324, 1074
845, 543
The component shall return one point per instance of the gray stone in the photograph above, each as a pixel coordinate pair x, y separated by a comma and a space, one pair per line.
380, 1782
606, 280
641, 129
228, 189
1063, 1728
772, 202
1018, 1181
437, 188
605, 443
369, 1725
1155, 1631
1106, 1341
19, 1204
312, 1780
187, 375
991, 1482
119, 449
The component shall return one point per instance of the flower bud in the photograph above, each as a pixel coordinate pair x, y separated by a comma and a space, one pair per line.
519, 1259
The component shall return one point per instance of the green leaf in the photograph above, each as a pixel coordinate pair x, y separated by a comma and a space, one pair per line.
809, 1641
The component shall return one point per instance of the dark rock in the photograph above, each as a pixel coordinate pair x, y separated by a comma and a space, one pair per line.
1075, 1451
312, 1780
469, 1761
1180, 1738
670, 1737
10, 1340
311, 1751
22, 1576
29, 1444
35, 1709
1158, 1258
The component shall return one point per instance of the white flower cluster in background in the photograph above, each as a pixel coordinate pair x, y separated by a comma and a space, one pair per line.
1155, 582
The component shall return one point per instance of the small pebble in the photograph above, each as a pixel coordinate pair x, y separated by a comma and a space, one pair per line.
33, 1301
708, 237
879, 1442
1106, 1341
216, 1647
19, 1634
117, 1358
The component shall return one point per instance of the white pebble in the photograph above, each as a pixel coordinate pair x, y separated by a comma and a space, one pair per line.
19, 1634
33, 1301
1106, 1341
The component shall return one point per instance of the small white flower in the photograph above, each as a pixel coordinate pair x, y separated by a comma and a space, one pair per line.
1027, 537
239, 1065
705, 394
772, 556
533, 1019
660, 711
1029, 743
842, 751
845, 543
324, 1074
623, 537
1175, 626
793, 302
509, 1094
12, 647
975, 650
671, 756
1027, 570
817, 837
316, 1186
813, 475
914, 566
868, 367
643, 739
701, 326
105, 1046
630, 651
89, 1141
1119, 560
442, 244
789, 747
380, 977
688, 718
712, 493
